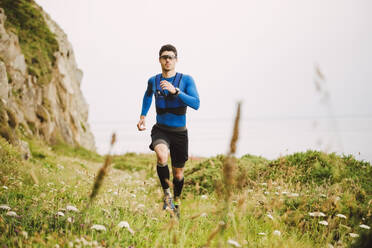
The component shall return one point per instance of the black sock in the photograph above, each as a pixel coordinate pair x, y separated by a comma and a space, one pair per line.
177, 187
163, 173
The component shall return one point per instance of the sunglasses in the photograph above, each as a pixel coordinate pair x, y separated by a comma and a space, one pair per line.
165, 57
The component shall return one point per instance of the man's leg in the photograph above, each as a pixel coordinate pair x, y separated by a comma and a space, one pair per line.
177, 182
177, 188
179, 156
162, 169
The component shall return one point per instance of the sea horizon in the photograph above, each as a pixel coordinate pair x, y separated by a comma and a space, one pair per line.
266, 137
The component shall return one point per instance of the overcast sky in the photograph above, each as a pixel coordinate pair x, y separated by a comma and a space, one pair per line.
260, 52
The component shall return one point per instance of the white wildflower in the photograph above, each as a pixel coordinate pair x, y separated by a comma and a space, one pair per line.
266, 193
125, 225
115, 193
109, 190
60, 214
317, 214
84, 241
204, 197
323, 222
5, 207
276, 193
323, 195
364, 226
24, 234
270, 216
284, 193
98, 227
234, 243
262, 233
354, 235
72, 208
277, 233
341, 216
12, 214
203, 215
133, 195
105, 211
69, 219
56, 246
5, 187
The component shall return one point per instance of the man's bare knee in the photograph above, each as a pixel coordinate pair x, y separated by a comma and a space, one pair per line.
177, 173
161, 153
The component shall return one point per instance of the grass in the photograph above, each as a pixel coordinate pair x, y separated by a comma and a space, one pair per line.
59, 176
37, 42
61, 148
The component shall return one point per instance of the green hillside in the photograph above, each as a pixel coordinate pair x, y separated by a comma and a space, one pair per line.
272, 203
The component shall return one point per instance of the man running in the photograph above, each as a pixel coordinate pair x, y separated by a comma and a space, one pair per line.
173, 93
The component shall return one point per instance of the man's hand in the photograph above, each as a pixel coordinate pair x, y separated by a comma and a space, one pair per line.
165, 85
141, 125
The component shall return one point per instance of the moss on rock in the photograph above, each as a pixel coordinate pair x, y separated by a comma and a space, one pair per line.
37, 42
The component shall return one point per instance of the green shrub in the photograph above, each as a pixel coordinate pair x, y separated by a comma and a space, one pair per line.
206, 174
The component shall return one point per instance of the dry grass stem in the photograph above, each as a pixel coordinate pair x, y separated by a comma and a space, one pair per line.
229, 165
34, 177
235, 135
103, 170
220, 226
170, 184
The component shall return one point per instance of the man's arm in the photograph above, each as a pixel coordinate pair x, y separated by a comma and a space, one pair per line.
146, 103
190, 97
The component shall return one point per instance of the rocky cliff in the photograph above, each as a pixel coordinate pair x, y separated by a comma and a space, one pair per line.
39, 80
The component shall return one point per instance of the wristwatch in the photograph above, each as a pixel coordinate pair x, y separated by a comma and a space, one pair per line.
177, 92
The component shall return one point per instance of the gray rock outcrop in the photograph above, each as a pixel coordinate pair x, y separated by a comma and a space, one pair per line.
52, 111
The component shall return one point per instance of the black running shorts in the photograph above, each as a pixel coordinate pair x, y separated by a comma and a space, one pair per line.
177, 142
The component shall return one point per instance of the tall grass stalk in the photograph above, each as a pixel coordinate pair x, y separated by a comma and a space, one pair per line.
102, 171
229, 179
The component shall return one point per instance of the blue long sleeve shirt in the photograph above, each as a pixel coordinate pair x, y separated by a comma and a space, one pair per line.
188, 95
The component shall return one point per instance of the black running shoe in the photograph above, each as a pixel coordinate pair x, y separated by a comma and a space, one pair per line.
177, 210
